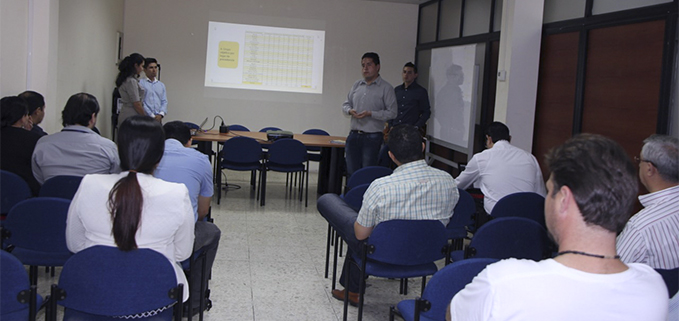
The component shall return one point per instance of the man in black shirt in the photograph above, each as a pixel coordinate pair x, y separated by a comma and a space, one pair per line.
413, 107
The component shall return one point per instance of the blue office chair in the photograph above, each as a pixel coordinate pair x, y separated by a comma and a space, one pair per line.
354, 197
508, 237
461, 219
240, 154
35, 232
439, 291
367, 175
13, 189
671, 278
286, 156
62, 186
239, 128
314, 153
18, 299
400, 249
525, 204
101, 282
189, 267
266, 129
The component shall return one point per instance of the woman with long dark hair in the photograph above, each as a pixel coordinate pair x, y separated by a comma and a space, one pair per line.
133, 209
17, 142
131, 92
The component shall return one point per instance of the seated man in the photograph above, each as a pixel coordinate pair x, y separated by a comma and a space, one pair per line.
502, 169
415, 191
182, 164
652, 235
77, 150
590, 193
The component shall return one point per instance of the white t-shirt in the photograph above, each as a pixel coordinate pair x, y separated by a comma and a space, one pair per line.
502, 170
548, 290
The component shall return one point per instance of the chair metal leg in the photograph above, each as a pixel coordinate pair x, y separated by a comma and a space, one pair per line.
424, 283
262, 187
327, 250
334, 267
361, 283
306, 197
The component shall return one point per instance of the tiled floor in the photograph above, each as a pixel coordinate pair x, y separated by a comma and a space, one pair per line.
270, 264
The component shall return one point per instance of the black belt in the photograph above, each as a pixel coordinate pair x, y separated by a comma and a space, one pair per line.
360, 132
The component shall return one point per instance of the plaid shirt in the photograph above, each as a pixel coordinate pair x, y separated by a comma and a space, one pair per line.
415, 191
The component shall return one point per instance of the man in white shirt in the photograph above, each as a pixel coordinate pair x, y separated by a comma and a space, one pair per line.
502, 169
155, 100
591, 190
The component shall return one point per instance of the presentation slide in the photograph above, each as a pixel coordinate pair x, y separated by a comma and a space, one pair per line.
264, 58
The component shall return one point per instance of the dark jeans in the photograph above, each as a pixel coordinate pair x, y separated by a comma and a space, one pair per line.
207, 238
342, 218
362, 150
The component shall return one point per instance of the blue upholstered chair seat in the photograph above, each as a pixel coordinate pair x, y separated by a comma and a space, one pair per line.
407, 310
40, 258
386, 270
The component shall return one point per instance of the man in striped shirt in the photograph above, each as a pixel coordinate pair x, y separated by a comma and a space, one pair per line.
652, 235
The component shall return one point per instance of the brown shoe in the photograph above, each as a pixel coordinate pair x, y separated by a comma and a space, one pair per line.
339, 295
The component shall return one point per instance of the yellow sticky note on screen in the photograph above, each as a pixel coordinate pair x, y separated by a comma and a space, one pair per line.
228, 54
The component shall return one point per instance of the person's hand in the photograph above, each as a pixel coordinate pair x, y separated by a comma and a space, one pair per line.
28, 124
360, 115
159, 118
385, 132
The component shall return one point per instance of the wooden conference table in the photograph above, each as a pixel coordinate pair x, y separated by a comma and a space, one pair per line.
332, 153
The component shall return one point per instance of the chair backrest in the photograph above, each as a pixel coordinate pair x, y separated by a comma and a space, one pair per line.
315, 131
510, 237
463, 212
191, 125
39, 224
62, 186
287, 151
265, 129
367, 175
354, 197
239, 128
243, 150
13, 189
448, 281
671, 278
408, 242
14, 279
104, 280
525, 204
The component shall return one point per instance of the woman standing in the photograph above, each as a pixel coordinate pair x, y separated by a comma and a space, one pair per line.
133, 209
131, 92
17, 142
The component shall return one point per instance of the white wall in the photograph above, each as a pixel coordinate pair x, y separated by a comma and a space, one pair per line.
87, 54
175, 33
58, 48
13, 44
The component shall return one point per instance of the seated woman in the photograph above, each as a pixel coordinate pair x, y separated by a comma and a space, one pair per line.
133, 209
17, 142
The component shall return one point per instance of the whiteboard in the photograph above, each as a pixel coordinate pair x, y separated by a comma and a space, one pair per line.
453, 81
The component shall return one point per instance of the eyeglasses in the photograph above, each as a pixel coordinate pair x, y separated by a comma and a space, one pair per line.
638, 160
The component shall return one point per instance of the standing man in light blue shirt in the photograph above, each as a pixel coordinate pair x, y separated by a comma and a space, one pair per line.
183, 164
370, 103
155, 101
